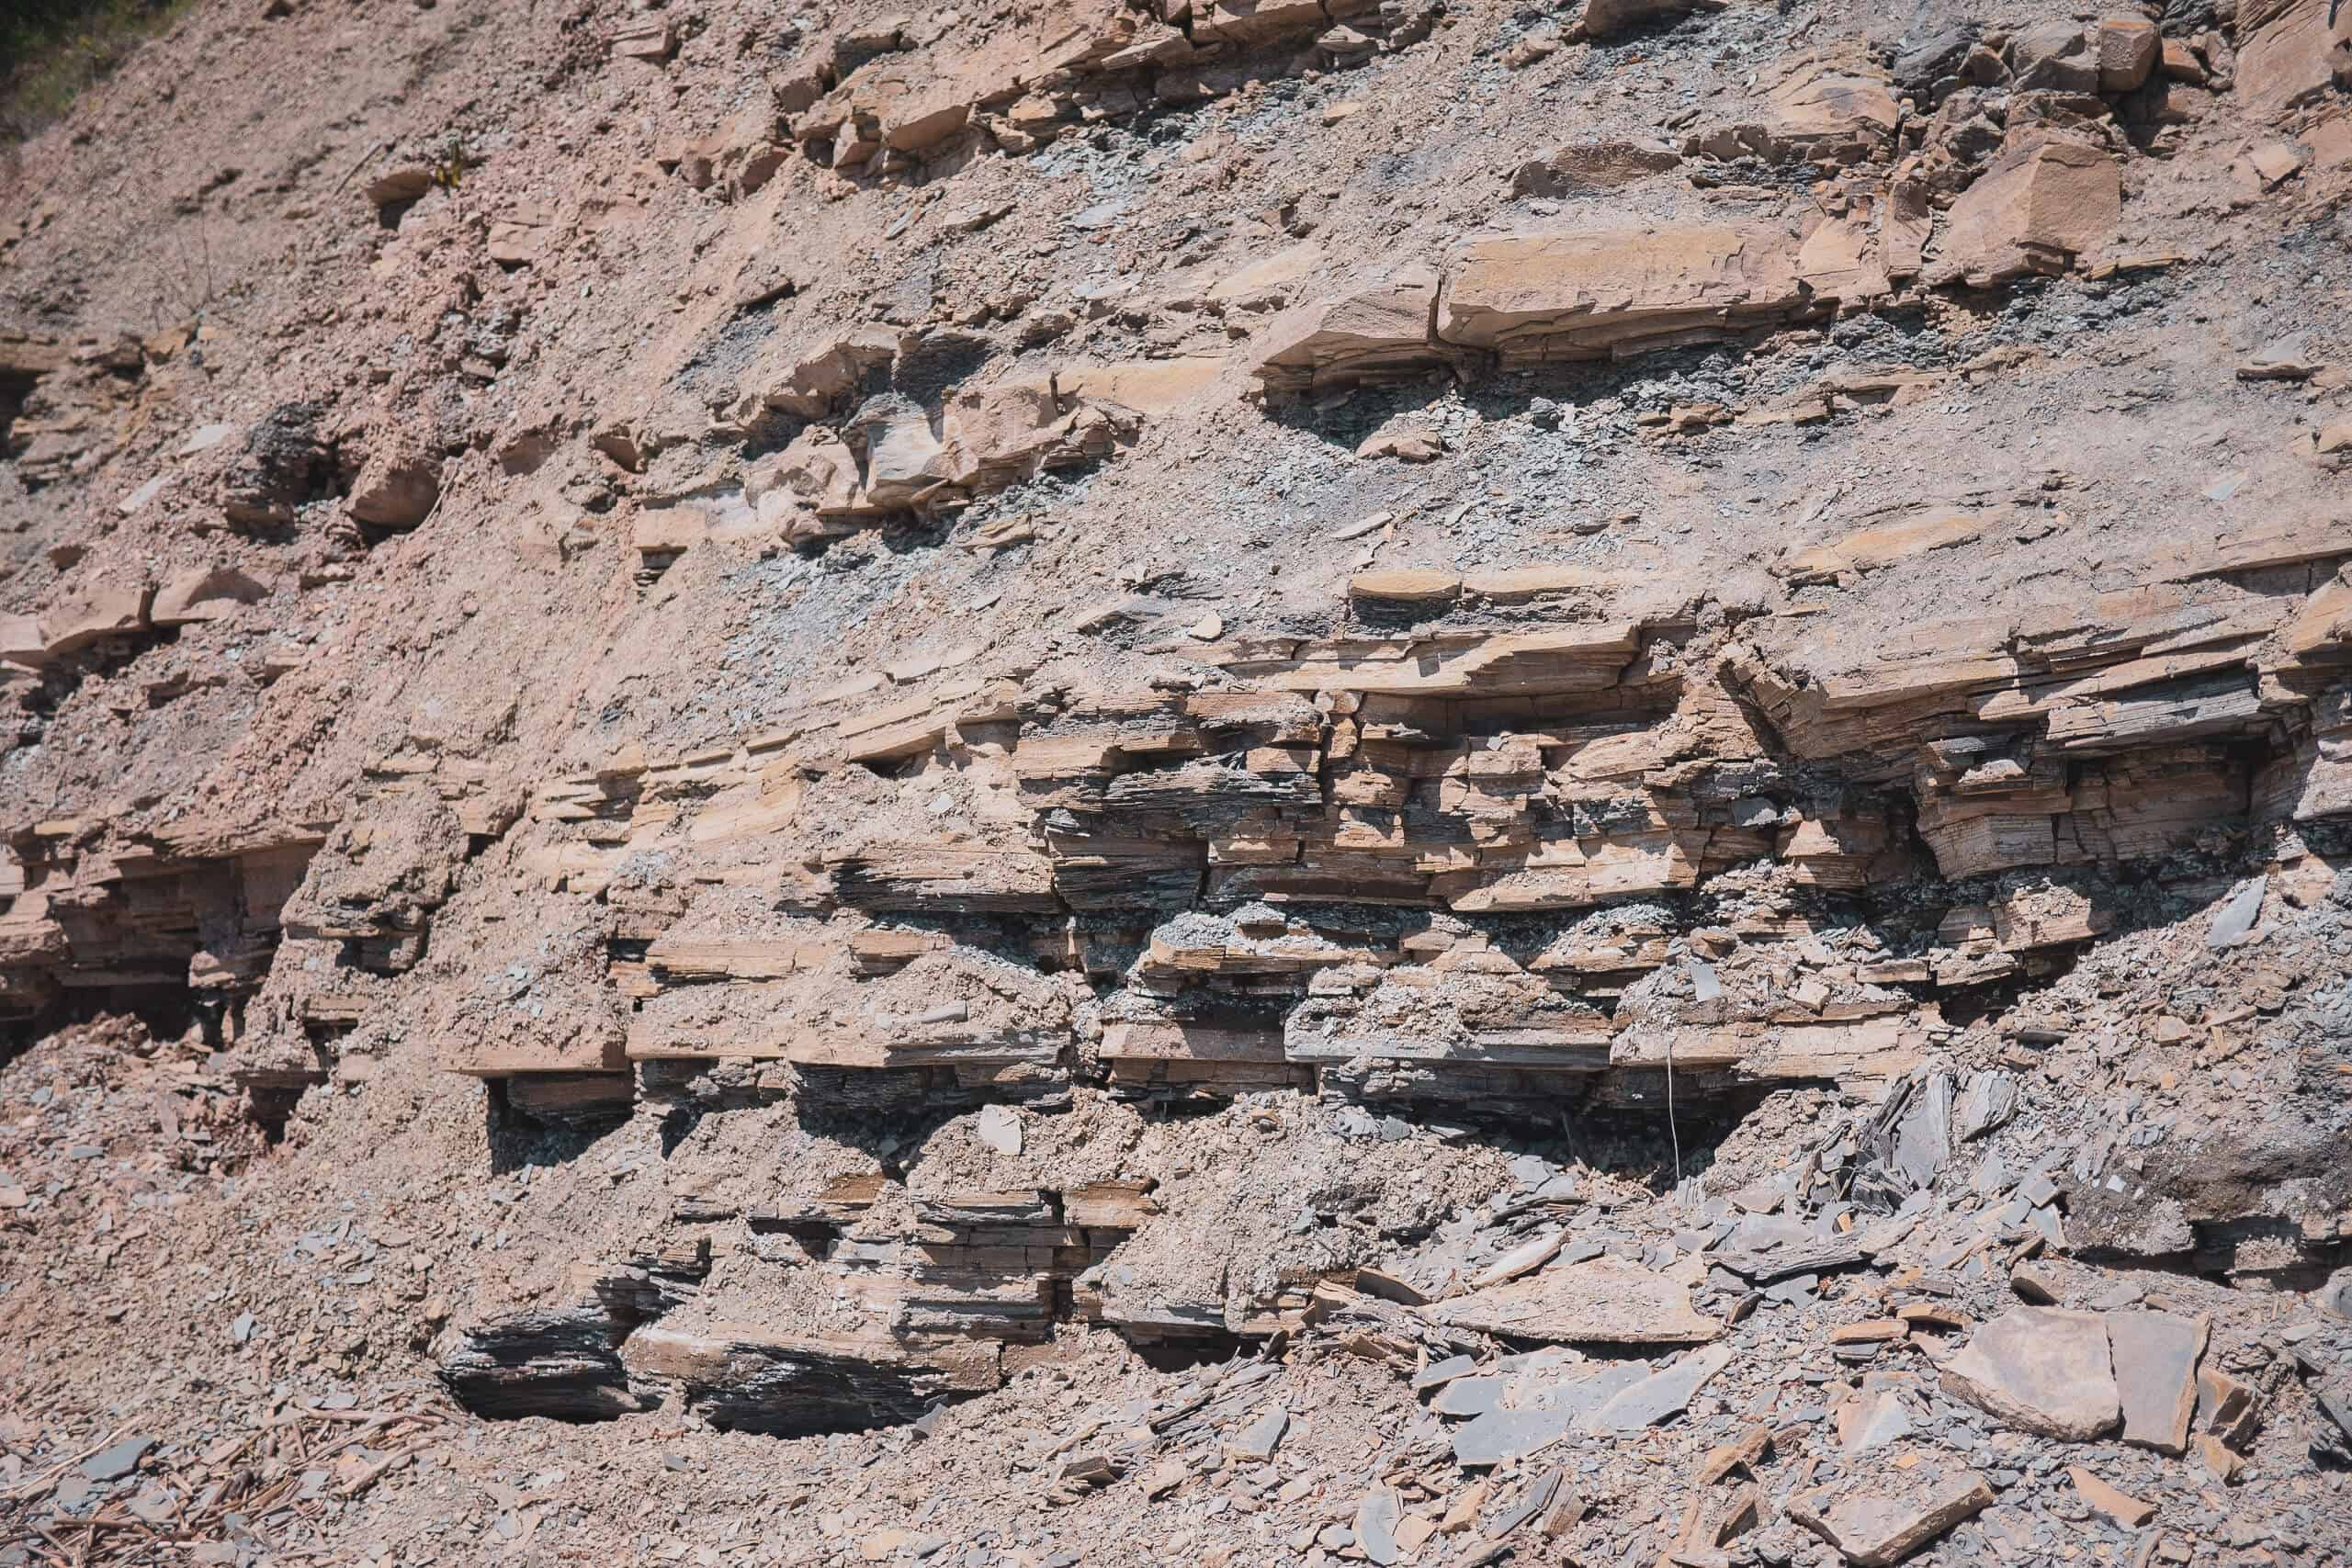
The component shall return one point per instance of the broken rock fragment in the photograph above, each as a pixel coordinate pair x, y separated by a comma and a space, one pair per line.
114, 1463
904, 458
1377, 1517
2128, 47
1534, 1408
2123, 1509
1256, 1443
1580, 295
1613, 18
1583, 166
1601, 1301
407, 183
2292, 52
1404, 439
1660, 1394
1827, 109
2156, 1357
1877, 1521
205, 594
397, 486
103, 610
2044, 203
2045, 1370
1377, 330
832, 373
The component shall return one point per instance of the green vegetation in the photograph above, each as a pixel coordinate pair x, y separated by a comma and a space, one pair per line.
51, 49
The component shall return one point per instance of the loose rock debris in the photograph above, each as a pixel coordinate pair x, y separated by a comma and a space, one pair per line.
1116, 784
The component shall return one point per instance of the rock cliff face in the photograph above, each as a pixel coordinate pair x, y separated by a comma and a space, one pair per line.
1279, 783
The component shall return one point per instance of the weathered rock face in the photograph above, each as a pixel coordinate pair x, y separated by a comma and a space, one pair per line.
197, 911
1592, 166
1536, 297
1344, 783
286, 464
1378, 327
2292, 52
564, 1361
746, 1380
2041, 205
1830, 109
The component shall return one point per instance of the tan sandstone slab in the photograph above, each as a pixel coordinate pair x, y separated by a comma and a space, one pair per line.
1875, 1527
2045, 1370
1599, 1301
1593, 293
1379, 327
2156, 1357
2042, 203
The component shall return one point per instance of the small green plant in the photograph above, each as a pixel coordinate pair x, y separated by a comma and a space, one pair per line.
452, 166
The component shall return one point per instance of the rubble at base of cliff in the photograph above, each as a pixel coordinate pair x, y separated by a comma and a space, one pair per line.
1257, 785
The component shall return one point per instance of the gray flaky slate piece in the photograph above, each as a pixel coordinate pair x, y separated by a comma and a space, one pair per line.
1469, 1396
1501, 1435
1256, 1442
1871, 1422
1660, 1394
1532, 1502
1444, 1371
114, 1463
1923, 1138
1798, 1257
1375, 1526
1874, 1527
2155, 1356
1990, 1100
2235, 921
1542, 1411
2044, 1369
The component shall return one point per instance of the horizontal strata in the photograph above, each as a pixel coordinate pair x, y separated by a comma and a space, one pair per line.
2049, 892
1304, 855
1452, 864
1429, 783
1531, 298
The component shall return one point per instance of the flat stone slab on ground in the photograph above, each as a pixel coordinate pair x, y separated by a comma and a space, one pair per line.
1876, 1527
2044, 1370
114, 1463
1536, 1410
1660, 1394
1599, 1301
2155, 1356
1256, 1442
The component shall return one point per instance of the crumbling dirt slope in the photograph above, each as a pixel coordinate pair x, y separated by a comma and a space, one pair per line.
1258, 784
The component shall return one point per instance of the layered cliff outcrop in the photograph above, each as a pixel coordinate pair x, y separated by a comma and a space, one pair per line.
1312, 783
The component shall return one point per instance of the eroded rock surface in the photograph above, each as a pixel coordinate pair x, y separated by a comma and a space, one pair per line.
1267, 783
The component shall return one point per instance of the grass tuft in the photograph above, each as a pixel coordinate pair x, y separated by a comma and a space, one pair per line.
52, 50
